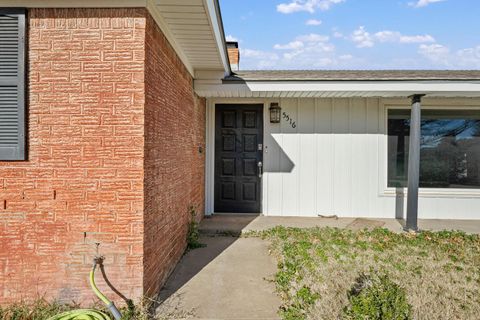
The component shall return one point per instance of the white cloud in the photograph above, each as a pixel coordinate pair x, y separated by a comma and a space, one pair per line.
230, 38
249, 53
417, 39
469, 57
303, 52
346, 57
436, 53
442, 56
423, 3
257, 59
385, 36
324, 55
307, 42
394, 36
364, 39
312, 37
313, 22
289, 46
337, 34
307, 5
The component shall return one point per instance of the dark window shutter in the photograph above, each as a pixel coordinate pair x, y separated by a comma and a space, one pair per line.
12, 84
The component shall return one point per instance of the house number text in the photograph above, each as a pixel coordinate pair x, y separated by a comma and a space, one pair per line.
289, 120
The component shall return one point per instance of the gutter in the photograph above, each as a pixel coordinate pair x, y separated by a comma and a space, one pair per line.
235, 79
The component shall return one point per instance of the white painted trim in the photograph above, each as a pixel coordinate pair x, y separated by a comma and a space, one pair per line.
450, 103
427, 104
374, 86
337, 89
264, 182
217, 27
210, 159
73, 4
157, 16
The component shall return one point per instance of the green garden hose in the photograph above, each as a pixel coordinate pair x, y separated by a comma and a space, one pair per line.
97, 292
81, 314
91, 314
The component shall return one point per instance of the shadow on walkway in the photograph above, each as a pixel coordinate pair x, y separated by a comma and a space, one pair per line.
225, 234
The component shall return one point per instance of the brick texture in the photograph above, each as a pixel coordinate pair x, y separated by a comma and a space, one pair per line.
174, 157
113, 158
233, 55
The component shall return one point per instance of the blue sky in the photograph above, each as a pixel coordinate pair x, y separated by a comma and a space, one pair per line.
354, 34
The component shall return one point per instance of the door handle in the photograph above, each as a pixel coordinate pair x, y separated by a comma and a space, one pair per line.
259, 166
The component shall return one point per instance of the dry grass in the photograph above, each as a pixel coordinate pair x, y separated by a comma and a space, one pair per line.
440, 272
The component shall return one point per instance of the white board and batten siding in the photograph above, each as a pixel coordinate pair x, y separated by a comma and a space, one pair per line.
321, 167
334, 162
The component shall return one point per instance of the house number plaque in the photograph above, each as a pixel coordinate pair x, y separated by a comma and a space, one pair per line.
289, 120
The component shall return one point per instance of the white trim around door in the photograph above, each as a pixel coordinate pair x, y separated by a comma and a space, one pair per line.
210, 148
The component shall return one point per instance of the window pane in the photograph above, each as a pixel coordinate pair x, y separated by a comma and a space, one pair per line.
449, 150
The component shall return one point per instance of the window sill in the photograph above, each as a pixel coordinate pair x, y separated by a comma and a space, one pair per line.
435, 193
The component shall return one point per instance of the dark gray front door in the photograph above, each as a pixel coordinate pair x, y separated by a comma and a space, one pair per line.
238, 153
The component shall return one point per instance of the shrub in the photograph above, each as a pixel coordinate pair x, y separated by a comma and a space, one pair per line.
376, 297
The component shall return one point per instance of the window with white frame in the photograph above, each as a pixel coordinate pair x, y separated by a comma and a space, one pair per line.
449, 152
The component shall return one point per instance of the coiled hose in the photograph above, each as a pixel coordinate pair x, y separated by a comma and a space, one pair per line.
81, 314
91, 314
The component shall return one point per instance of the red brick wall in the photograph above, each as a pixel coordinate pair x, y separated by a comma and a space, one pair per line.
113, 158
83, 181
174, 157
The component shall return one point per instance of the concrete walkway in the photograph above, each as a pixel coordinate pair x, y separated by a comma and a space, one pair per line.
237, 224
228, 279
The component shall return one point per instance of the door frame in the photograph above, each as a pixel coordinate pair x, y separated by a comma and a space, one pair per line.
210, 148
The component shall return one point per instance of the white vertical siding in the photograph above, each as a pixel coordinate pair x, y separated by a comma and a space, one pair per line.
307, 160
324, 165
334, 163
359, 133
342, 157
374, 164
272, 178
290, 156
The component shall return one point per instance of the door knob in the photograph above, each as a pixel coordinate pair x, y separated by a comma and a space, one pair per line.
259, 165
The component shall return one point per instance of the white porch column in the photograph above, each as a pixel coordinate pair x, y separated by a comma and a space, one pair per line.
414, 163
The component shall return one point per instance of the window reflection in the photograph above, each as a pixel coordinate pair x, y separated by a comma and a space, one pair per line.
449, 152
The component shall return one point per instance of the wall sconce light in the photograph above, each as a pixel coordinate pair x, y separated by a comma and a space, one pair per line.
275, 112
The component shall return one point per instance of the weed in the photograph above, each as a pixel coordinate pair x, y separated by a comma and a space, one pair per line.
193, 234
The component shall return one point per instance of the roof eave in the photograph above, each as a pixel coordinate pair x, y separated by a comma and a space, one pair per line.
338, 89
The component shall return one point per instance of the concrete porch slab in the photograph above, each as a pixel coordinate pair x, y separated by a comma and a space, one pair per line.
237, 224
